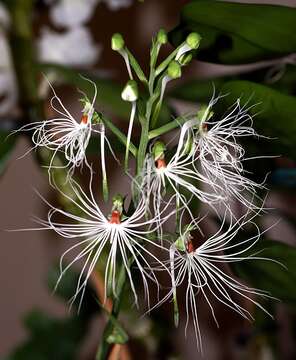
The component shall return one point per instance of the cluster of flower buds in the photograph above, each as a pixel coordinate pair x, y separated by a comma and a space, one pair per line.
206, 166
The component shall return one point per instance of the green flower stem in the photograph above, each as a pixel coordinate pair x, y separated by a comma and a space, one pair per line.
145, 122
142, 146
137, 68
105, 346
157, 96
120, 135
166, 62
179, 121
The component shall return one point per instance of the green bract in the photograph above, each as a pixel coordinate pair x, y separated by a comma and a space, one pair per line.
174, 70
162, 37
117, 42
158, 150
130, 92
117, 202
193, 40
185, 59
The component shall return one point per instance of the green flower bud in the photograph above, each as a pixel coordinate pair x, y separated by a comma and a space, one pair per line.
185, 59
96, 119
174, 70
158, 150
179, 243
130, 91
87, 105
185, 237
204, 113
193, 40
188, 145
117, 42
162, 37
117, 202
187, 229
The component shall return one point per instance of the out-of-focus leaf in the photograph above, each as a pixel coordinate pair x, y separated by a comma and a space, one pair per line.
57, 338
197, 91
234, 33
279, 77
274, 115
93, 147
284, 177
6, 146
15, 3
268, 275
67, 288
51, 338
201, 90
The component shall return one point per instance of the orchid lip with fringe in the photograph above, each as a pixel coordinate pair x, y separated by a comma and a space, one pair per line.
198, 267
126, 238
64, 134
178, 173
219, 155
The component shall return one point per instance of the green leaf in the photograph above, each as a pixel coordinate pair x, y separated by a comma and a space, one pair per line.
234, 33
197, 90
51, 338
268, 275
67, 288
6, 147
93, 147
57, 338
274, 115
285, 83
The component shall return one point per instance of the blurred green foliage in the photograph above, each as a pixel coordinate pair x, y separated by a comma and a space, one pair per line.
234, 33
52, 337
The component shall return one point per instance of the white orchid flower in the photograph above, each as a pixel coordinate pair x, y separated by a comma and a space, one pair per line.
221, 156
179, 175
202, 268
121, 236
65, 134
217, 154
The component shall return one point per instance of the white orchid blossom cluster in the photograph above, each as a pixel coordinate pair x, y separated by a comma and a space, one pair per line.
205, 167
